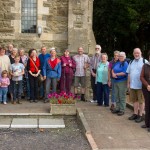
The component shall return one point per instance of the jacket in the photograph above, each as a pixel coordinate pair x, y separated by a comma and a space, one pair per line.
52, 73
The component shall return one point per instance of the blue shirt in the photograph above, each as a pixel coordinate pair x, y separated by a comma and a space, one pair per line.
102, 73
118, 68
134, 70
43, 58
17, 69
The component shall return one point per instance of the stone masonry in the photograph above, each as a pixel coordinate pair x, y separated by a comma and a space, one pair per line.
65, 24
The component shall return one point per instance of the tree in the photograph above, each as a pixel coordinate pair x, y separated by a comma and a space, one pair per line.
122, 24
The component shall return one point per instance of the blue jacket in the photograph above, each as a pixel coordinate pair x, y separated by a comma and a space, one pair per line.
52, 73
43, 58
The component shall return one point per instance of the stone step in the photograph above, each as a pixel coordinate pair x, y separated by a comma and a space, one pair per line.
5, 122
24, 123
32, 123
51, 123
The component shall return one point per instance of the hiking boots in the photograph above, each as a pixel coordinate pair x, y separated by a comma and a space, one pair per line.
133, 117
139, 119
112, 107
82, 97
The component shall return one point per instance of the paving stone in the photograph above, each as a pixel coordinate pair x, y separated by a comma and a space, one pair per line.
51, 123
24, 123
5, 122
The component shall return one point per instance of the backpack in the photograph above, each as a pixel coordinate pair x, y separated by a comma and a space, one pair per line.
132, 61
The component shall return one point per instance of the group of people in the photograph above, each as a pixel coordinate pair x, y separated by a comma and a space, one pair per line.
122, 76
21, 73
30, 74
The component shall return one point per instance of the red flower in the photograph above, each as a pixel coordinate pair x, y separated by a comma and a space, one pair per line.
59, 101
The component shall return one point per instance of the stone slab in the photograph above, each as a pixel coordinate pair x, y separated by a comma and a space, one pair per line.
51, 123
24, 123
5, 122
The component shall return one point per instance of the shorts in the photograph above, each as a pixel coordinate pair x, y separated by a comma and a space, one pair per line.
136, 95
79, 80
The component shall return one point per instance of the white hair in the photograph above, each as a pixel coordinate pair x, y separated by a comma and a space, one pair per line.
98, 46
137, 49
122, 54
15, 49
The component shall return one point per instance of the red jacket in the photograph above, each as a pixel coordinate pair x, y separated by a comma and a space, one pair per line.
31, 67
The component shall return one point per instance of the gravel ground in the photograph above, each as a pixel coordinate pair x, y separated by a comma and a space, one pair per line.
70, 138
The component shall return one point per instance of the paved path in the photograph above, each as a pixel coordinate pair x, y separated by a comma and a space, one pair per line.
110, 131
25, 107
114, 132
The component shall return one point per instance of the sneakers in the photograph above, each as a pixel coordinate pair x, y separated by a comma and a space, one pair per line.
112, 107
139, 119
133, 117
5, 103
144, 126
82, 97
14, 102
31, 101
120, 113
19, 102
115, 111
46, 101
93, 101
35, 101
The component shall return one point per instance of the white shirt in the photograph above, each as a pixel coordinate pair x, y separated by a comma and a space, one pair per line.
134, 70
80, 63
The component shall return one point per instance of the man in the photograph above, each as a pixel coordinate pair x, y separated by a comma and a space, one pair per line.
82, 63
135, 85
96, 58
43, 57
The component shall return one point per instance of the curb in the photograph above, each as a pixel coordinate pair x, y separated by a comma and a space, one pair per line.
86, 129
25, 114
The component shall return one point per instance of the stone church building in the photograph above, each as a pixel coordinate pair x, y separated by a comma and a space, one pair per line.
59, 23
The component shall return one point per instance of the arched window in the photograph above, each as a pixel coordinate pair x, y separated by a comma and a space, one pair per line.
28, 16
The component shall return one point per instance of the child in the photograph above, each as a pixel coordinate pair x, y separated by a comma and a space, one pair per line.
17, 71
4, 82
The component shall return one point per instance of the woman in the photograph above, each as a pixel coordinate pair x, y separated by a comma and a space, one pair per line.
14, 52
51, 72
145, 78
102, 81
33, 67
120, 84
111, 64
68, 65
4, 60
26, 86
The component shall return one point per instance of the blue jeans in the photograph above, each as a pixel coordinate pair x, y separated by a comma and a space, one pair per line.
49, 82
42, 88
17, 90
102, 94
112, 91
3, 94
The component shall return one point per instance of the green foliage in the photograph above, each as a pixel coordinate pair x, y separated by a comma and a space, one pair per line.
122, 24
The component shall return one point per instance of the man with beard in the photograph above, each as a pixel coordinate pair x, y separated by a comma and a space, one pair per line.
135, 85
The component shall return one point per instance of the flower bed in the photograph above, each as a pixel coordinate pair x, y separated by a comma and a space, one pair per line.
63, 104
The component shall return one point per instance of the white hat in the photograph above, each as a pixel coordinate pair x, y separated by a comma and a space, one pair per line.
98, 46
53, 48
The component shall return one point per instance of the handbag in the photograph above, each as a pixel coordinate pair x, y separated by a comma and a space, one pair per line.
40, 77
